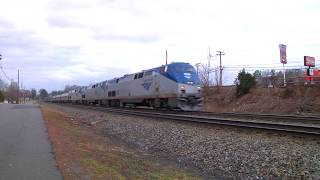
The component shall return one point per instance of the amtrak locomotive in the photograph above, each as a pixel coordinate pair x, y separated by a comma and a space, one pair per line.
174, 86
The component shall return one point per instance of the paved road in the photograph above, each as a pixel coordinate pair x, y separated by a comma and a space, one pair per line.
25, 151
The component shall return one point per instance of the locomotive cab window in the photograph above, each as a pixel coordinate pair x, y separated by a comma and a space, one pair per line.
162, 69
148, 73
138, 76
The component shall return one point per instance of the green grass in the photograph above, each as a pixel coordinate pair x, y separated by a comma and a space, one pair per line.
135, 170
103, 170
121, 166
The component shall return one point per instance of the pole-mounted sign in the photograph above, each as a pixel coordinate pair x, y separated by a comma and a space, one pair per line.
283, 60
283, 53
309, 61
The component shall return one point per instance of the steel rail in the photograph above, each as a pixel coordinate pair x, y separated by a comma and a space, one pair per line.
298, 118
271, 116
296, 128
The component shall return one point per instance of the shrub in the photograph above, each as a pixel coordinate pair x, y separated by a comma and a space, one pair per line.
287, 93
1, 96
244, 82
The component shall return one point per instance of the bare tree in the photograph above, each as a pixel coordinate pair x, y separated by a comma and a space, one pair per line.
272, 78
68, 88
1, 96
11, 92
204, 75
3, 85
216, 77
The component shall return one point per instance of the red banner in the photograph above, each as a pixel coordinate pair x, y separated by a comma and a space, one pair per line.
283, 53
309, 61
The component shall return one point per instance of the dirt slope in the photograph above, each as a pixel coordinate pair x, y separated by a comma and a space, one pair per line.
290, 100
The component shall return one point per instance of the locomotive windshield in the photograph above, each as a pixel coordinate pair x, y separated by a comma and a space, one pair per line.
183, 73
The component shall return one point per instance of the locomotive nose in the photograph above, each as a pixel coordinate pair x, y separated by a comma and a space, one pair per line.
190, 102
194, 100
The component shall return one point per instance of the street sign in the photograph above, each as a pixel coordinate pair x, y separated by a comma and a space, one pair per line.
309, 61
283, 53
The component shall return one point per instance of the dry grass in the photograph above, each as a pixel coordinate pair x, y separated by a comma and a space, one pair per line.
290, 100
82, 154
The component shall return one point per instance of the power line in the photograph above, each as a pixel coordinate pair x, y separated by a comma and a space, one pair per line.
4, 73
257, 65
266, 69
290, 60
260, 67
268, 64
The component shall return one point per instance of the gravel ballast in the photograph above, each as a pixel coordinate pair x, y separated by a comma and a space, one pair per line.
217, 151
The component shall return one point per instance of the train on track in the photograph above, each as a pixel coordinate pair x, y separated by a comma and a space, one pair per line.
172, 86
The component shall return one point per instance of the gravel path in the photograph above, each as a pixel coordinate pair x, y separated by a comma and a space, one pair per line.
217, 151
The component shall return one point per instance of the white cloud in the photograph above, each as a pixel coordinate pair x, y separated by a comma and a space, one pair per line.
85, 37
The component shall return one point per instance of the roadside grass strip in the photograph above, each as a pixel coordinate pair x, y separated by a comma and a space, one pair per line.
82, 154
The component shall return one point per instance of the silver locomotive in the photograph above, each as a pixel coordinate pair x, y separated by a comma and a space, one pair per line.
172, 86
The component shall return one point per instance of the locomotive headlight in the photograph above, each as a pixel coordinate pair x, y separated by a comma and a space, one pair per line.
183, 89
199, 89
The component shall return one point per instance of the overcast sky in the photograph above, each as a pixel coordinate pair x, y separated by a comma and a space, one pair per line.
59, 42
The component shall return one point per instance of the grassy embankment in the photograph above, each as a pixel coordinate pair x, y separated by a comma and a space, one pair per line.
82, 154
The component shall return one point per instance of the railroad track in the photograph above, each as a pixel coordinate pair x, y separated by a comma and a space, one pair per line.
287, 123
246, 116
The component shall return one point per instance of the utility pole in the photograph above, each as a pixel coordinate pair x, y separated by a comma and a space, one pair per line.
220, 53
209, 69
166, 57
22, 93
197, 65
209, 57
18, 88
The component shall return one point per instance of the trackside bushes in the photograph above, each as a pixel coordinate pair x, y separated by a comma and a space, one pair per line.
1, 96
244, 82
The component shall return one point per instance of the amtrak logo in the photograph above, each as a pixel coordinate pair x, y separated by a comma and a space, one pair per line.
187, 75
146, 85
